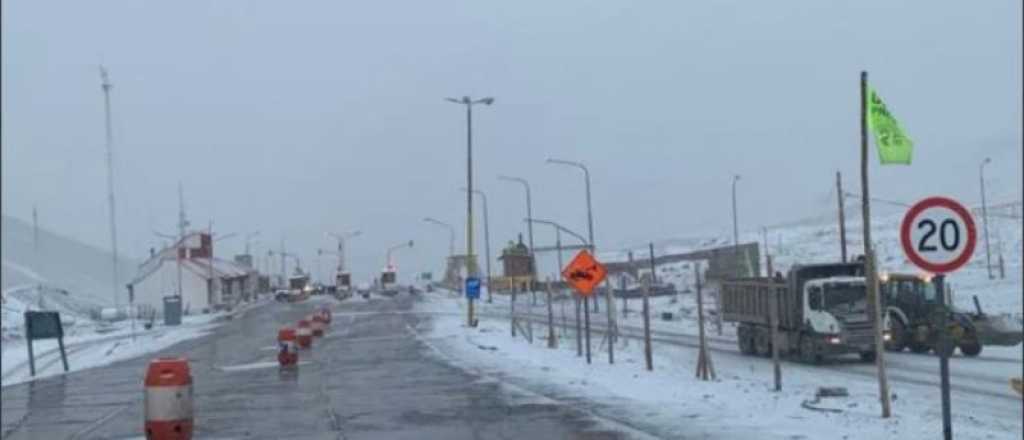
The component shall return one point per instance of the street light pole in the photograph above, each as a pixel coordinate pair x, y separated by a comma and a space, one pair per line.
451, 232
341, 246
471, 264
487, 241
984, 215
529, 228
590, 216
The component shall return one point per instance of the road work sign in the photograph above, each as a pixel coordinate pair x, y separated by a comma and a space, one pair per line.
938, 235
473, 288
584, 273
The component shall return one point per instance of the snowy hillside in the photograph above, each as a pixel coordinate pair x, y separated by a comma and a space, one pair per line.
817, 241
59, 262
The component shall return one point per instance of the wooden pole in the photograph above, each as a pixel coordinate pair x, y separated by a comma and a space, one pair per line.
774, 316
512, 309
579, 331
870, 272
842, 216
551, 319
702, 353
586, 323
647, 318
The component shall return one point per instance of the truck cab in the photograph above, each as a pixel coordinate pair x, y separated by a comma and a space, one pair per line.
837, 313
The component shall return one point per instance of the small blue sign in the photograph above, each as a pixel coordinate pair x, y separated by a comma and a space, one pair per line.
473, 288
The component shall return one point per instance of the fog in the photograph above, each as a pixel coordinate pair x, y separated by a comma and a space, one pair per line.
295, 119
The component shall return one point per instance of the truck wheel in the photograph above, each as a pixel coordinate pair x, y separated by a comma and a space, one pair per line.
897, 336
807, 353
743, 338
970, 348
762, 344
867, 356
918, 347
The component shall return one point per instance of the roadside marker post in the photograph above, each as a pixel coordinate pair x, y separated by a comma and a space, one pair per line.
584, 273
168, 400
938, 235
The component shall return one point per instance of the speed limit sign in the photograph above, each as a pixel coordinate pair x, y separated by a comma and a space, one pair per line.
938, 235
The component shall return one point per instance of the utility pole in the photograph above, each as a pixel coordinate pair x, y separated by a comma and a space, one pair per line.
35, 231
471, 262
110, 177
842, 216
984, 215
182, 227
869, 255
767, 259
529, 229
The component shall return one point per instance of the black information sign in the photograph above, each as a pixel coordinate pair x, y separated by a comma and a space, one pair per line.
44, 325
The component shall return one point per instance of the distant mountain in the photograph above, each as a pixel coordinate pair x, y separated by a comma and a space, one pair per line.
59, 262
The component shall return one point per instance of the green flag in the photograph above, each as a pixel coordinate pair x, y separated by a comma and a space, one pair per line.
894, 147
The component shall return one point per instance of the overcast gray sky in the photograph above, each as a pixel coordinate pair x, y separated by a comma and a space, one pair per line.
299, 118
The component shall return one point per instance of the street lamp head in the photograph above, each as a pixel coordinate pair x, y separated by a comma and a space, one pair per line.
410, 243
735, 177
487, 101
987, 160
453, 100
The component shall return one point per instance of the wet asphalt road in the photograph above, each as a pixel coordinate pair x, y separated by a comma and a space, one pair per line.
368, 378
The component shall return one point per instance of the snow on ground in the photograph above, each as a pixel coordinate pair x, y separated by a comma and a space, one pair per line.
88, 348
818, 242
670, 402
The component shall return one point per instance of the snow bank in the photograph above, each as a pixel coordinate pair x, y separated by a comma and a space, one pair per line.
670, 402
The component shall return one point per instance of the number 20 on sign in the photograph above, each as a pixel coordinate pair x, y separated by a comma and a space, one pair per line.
938, 235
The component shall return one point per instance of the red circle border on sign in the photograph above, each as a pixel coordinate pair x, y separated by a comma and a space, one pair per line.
908, 247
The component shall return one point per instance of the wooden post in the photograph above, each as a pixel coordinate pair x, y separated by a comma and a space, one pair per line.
842, 216
871, 271
586, 324
703, 360
512, 309
774, 316
63, 354
31, 356
551, 320
579, 331
647, 325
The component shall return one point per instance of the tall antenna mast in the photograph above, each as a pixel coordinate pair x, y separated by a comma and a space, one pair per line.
110, 176
182, 224
35, 230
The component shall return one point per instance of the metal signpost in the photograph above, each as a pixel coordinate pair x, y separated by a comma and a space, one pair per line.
584, 273
44, 325
938, 236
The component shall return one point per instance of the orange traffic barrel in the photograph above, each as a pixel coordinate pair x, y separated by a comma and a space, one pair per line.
317, 325
168, 399
288, 355
304, 334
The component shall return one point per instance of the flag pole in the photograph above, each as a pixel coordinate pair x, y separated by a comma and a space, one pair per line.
870, 274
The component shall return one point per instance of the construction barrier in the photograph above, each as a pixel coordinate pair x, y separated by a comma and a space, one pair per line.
288, 356
304, 334
317, 324
168, 399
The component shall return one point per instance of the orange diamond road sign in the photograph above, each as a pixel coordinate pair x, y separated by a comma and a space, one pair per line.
584, 273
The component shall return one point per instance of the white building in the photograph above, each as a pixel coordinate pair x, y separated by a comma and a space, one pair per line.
206, 283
